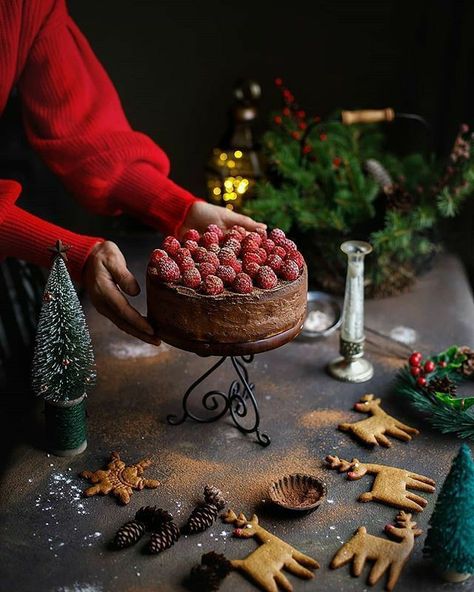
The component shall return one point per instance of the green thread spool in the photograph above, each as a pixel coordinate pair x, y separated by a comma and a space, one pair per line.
66, 427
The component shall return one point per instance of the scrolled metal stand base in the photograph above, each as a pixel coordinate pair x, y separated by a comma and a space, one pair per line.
238, 401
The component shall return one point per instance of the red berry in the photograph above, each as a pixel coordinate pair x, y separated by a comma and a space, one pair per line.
415, 359
262, 254
206, 269
268, 245
191, 245
297, 257
240, 229
167, 270
277, 235
191, 235
415, 370
421, 381
286, 111
216, 230
211, 258
186, 264
212, 285
429, 366
251, 268
157, 255
199, 254
323, 137
233, 244
307, 149
208, 239
251, 257
242, 284
232, 234
442, 364
214, 248
302, 125
275, 262
289, 270
280, 251
336, 161
278, 82
262, 233
295, 135
266, 278
278, 120
237, 266
255, 236
249, 244
192, 278
226, 273
226, 256
181, 254
171, 245
288, 245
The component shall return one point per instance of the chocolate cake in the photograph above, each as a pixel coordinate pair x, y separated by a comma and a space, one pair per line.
235, 315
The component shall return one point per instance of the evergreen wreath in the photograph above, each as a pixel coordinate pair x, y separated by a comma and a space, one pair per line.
431, 384
326, 182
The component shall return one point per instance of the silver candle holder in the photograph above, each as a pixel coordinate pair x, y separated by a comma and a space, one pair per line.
351, 366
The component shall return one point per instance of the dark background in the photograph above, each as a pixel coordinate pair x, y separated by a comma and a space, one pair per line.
174, 63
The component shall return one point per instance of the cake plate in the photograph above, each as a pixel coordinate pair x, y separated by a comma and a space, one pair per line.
239, 401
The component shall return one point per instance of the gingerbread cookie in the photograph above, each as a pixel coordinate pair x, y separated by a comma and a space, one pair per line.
373, 429
388, 555
390, 484
264, 565
119, 479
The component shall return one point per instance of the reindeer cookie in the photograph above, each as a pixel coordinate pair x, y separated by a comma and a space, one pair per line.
390, 484
388, 555
264, 565
373, 429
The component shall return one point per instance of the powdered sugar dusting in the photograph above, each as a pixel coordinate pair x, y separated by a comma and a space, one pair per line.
62, 490
76, 587
124, 350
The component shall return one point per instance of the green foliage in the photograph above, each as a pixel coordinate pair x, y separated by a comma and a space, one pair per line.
450, 539
317, 187
63, 364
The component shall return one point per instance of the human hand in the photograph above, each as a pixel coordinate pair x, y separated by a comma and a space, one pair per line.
106, 279
201, 214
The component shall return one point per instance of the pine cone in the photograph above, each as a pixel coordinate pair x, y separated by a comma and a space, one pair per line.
201, 518
145, 514
378, 173
129, 534
399, 199
442, 385
203, 579
217, 562
468, 365
164, 537
214, 496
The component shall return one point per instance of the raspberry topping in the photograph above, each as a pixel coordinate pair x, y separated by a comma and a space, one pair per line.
241, 230
206, 269
214, 248
181, 254
297, 257
251, 257
226, 273
199, 254
191, 245
171, 245
288, 245
186, 264
251, 268
249, 244
227, 256
289, 270
208, 239
192, 278
157, 255
242, 284
254, 236
277, 235
233, 244
211, 258
167, 270
262, 232
216, 230
262, 254
268, 245
266, 278
212, 285
275, 262
280, 251
191, 235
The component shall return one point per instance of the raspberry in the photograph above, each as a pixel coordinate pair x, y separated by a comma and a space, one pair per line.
288, 245
208, 239
199, 254
171, 245
211, 258
192, 278
186, 264
277, 235
268, 245
182, 253
251, 257
289, 270
266, 278
253, 236
206, 269
191, 235
242, 284
216, 230
280, 251
167, 270
157, 255
262, 255
226, 273
251, 268
233, 244
249, 244
227, 256
191, 245
212, 285
214, 248
275, 262
232, 234
237, 266
241, 230
262, 232
297, 257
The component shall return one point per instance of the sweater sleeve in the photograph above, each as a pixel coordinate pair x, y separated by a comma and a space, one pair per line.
74, 119
27, 237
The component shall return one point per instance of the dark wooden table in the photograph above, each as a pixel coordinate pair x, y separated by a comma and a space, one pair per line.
54, 540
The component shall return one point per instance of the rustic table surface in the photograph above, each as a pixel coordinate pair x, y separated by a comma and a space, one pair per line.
54, 540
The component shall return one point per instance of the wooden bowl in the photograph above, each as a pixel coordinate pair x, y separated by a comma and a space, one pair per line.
298, 493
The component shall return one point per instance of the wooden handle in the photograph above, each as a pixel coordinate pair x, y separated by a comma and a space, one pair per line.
367, 116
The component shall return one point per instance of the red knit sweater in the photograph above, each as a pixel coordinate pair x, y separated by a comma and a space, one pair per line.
74, 119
